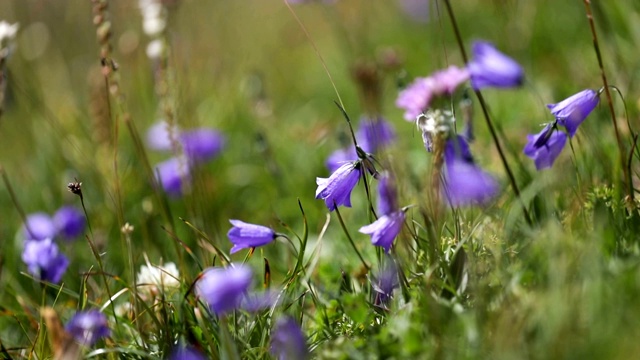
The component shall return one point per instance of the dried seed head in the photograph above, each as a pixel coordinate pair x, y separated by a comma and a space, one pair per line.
75, 187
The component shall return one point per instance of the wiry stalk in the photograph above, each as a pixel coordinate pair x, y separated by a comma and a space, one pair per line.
485, 112
607, 92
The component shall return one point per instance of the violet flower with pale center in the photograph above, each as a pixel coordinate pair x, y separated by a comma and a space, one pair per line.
224, 288
572, 111
39, 226
244, 235
545, 146
69, 222
491, 68
288, 341
87, 327
336, 190
44, 261
417, 97
464, 182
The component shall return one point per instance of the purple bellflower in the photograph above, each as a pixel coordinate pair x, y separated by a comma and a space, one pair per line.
224, 288
491, 68
545, 146
465, 183
186, 353
244, 235
384, 230
416, 98
44, 260
372, 134
288, 341
69, 222
572, 111
158, 137
173, 174
385, 283
39, 226
336, 190
87, 327
202, 144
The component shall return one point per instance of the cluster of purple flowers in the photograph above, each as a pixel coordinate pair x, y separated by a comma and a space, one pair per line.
546, 146
41, 254
198, 147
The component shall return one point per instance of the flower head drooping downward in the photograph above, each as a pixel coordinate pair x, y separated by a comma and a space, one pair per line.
244, 235
465, 183
287, 340
384, 230
491, 68
87, 327
44, 260
224, 288
336, 190
572, 111
545, 146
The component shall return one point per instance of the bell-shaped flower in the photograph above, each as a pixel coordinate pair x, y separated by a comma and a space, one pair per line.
465, 183
572, 111
244, 235
384, 230
491, 68
336, 190
87, 327
39, 226
545, 146
69, 222
387, 197
224, 288
174, 176
374, 133
288, 341
416, 98
202, 144
385, 282
44, 260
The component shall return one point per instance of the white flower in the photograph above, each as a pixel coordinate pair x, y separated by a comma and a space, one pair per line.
155, 49
152, 280
7, 31
153, 25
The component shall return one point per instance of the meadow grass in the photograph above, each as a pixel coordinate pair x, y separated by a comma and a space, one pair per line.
550, 270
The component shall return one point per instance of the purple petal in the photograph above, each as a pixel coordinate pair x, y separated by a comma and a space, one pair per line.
336, 190
340, 157
223, 288
201, 145
572, 111
384, 230
171, 174
69, 222
387, 199
467, 184
244, 235
255, 302
158, 138
87, 327
44, 261
288, 341
491, 68
544, 148
39, 226
374, 134
186, 353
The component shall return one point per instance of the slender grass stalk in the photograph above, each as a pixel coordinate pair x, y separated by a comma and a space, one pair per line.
485, 112
355, 248
14, 198
607, 92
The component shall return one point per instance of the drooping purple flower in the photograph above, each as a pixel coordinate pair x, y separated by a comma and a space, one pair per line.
491, 68
465, 183
87, 327
416, 98
545, 146
69, 222
336, 190
174, 176
224, 288
572, 111
374, 133
385, 282
44, 261
384, 230
244, 235
39, 226
202, 144
186, 353
387, 199
288, 341
340, 157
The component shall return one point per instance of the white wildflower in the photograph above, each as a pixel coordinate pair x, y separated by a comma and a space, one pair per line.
155, 49
152, 280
